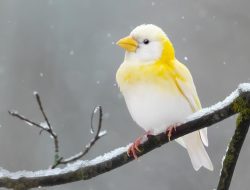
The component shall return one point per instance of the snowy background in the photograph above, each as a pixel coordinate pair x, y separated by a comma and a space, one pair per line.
66, 51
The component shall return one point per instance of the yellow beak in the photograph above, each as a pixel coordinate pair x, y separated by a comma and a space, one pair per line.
128, 43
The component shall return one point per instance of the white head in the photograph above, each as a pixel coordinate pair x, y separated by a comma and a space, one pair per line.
145, 44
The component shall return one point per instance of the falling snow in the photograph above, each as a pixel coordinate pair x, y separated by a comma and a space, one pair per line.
52, 27
184, 39
51, 2
197, 27
71, 52
235, 22
186, 58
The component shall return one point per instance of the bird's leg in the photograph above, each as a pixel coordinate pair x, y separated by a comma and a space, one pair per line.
170, 129
135, 146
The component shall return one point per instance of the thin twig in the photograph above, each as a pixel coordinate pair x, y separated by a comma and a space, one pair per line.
27, 121
50, 129
38, 99
87, 147
46, 128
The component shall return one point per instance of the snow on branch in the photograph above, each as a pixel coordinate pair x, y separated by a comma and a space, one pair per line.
237, 102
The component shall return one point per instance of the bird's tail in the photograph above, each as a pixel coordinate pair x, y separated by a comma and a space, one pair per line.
197, 151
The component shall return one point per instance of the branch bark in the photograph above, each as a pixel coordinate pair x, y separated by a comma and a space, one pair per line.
234, 148
83, 170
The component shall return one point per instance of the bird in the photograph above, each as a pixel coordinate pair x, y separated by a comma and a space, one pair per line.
159, 90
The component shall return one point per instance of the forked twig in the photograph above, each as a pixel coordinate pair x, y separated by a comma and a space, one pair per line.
87, 147
48, 128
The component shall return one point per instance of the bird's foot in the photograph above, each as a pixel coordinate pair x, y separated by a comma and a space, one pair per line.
170, 129
134, 148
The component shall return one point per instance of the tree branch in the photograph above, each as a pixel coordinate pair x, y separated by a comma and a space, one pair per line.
83, 170
234, 148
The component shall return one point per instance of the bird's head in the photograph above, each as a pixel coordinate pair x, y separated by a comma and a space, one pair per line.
147, 43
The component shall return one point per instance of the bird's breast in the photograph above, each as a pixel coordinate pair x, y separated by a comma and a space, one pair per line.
152, 97
153, 108
132, 74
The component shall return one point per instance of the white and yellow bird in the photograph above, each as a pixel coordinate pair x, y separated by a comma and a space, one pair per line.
159, 90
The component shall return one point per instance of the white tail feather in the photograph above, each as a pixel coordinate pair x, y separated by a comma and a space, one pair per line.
197, 151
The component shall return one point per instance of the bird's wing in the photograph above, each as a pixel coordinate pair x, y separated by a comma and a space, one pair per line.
185, 84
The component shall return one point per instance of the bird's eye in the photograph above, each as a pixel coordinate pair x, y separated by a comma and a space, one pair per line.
145, 41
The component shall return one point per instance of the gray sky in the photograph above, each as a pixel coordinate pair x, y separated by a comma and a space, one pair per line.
65, 50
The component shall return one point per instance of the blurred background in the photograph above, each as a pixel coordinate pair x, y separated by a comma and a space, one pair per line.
66, 51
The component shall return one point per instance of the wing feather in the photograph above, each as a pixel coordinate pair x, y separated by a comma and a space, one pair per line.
187, 88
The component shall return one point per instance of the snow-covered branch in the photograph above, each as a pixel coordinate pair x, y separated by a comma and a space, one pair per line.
237, 102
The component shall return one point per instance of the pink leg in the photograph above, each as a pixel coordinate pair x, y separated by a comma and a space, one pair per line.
170, 129
135, 146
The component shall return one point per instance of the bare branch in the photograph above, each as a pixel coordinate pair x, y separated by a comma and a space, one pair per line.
83, 170
46, 127
87, 148
49, 129
38, 99
26, 120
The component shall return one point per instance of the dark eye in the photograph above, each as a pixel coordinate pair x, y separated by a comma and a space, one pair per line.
145, 41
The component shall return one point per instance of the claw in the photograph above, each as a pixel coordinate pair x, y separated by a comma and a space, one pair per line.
135, 146
170, 130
